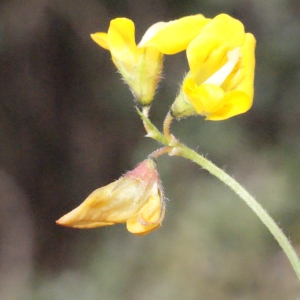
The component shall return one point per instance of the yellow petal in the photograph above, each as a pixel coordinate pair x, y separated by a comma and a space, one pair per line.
206, 98
221, 75
242, 76
121, 41
101, 39
235, 103
149, 217
108, 205
87, 225
207, 53
174, 36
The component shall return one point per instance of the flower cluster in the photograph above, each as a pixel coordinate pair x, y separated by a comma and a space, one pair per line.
220, 55
219, 85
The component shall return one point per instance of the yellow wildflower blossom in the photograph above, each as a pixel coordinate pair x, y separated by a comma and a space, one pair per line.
220, 82
136, 199
141, 65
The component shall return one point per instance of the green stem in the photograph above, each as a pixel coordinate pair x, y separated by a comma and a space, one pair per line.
167, 123
283, 241
182, 150
152, 131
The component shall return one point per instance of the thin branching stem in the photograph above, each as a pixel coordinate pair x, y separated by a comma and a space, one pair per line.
164, 150
166, 127
177, 148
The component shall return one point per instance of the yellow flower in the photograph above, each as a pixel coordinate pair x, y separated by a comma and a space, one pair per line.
220, 82
141, 65
136, 199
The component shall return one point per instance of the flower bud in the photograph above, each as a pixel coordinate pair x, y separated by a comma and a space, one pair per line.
136, 199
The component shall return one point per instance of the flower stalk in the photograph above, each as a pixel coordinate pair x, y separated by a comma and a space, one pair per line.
164, 150
248, 199
167, 124
180, 149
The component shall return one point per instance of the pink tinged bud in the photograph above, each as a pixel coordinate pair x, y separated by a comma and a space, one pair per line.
136, 199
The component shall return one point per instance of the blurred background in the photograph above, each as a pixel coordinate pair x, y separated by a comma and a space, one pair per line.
68, 126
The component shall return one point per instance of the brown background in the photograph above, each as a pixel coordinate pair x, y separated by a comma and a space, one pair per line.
68, 126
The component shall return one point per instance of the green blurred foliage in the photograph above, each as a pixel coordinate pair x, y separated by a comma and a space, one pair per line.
211, 246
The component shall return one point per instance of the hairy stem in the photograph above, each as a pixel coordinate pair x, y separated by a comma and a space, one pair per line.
278, 234
160, 151
166, 128
174, 147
